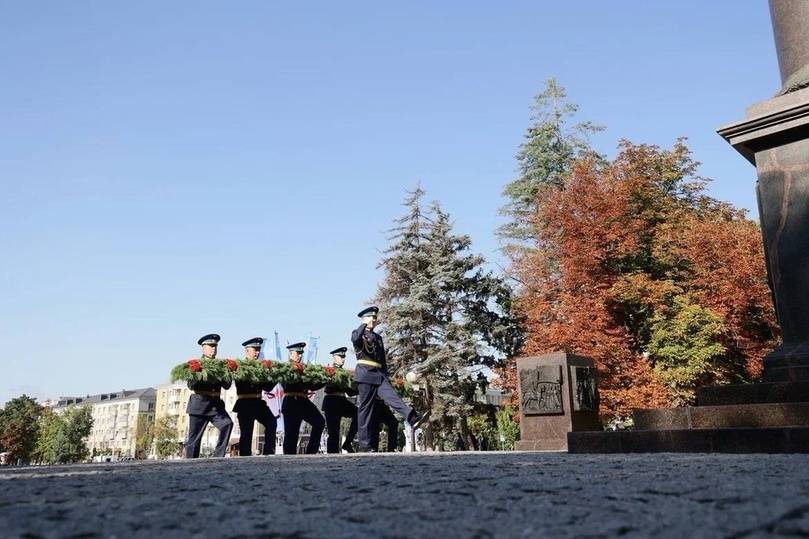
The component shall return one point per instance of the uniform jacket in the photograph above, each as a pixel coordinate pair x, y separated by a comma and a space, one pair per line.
368, 345
247, 405
203, 404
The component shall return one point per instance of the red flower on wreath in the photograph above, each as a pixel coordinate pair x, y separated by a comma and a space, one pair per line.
267, 363
399, 381
298, 366
232, 365
329, 370
194, 365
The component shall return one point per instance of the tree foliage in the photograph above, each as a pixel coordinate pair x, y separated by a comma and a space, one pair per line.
445, 316
144, 435
544, 159
638, 268
166, 437
19, 426
69, 444
508, 430
61, 437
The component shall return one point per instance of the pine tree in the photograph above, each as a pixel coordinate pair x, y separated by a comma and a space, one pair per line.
544, 159
443, 315
406, 295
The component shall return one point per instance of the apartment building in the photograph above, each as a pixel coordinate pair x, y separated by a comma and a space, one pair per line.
117, 416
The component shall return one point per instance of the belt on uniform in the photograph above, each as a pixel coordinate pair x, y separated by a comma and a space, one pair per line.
207, 393
335, 394
248, 396
296, 394
369, 362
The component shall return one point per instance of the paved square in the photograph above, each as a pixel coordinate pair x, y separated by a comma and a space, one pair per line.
415, 495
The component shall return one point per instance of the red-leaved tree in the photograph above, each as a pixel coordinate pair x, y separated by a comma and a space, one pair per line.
636, 267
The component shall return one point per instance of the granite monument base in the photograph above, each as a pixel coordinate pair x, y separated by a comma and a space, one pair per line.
769, 417
558, 394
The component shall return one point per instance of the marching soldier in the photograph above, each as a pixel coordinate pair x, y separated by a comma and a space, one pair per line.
297, 408
206, 405
250, 407
382, 416
372, 378
336, 406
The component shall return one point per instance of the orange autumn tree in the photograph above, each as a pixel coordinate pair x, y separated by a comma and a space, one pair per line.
635, 266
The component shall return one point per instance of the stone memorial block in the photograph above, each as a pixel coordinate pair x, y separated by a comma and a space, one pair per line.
541, 390
558, 394
585, 392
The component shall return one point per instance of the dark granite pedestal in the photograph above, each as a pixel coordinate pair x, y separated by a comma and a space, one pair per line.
746, 418
775, 138
558, 394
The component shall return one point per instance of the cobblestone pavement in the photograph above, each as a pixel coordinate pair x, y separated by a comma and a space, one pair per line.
421, 495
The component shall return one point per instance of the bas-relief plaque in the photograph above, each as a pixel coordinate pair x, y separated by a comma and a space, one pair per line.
585, 393
541, 390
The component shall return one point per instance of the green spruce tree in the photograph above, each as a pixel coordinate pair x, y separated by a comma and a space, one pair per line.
544, 159
443, 316
406, 294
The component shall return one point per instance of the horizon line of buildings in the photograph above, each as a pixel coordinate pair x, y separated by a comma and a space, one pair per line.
119, 416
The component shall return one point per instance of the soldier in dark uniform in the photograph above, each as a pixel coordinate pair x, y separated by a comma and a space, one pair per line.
372, 378
297, 408
206, 405
336, 406
382, 416
250, 407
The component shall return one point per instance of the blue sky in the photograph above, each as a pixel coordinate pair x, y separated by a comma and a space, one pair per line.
174, 169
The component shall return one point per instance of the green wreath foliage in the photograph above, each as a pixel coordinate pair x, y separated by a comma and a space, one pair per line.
259, 373
210, 371
342, 379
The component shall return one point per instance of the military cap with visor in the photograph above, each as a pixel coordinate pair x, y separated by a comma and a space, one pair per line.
255, 342
211, 338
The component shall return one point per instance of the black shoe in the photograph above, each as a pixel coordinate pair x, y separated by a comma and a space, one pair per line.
348, 449
416, 419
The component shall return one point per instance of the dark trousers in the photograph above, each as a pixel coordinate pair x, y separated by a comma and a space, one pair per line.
335, 408
247, 419
365, 401
382, 416
196, 428
296, 410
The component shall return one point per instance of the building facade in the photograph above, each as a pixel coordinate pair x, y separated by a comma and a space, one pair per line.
117, 419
